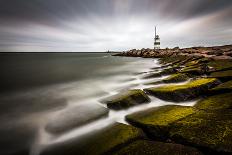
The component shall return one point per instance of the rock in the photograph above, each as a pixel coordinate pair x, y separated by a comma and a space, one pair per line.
222, 75
156, 122
176, 78
97, 142
221, 102
222, 88
221, 65
126, 99
145, 147
207, 130
198, 69
180, 93
75, 117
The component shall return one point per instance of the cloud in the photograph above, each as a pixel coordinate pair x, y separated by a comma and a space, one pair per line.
77, 25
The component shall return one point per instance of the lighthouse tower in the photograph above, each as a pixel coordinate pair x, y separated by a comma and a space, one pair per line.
156, 41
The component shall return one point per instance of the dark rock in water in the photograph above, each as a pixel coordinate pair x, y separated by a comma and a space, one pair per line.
97, 142
222, 75
221, 102
176, 78
145, 147
126, 99
207, 130
75, 117
222, 88
185, 92
156, 122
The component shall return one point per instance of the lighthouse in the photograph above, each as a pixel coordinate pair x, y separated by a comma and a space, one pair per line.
156, 41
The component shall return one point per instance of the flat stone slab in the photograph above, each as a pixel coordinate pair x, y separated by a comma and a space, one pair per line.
156, 121
221, 102
180, 93
75, 117
99, 142
222, 88
145, 147
223, 75
176, 78
208, 130
126, 99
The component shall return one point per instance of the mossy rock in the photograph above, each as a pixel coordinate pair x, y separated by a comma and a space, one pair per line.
164, 72
221, 102
209, 131
196, 69
220, 65
176, 78
145, 147
172, 59
179, 93
97, 142
126, 99
222, 75
222, 88
155, 122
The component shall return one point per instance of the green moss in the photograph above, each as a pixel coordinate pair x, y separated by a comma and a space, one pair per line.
126, 99
144, 147
218, 102
183, 92
212, 131
176, 78
224, 87
223, 75
221, 64
98, 142
156, 121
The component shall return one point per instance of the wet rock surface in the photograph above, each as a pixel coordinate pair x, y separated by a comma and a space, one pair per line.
98, 142
145, 147
126, 99
180, 93
156, 121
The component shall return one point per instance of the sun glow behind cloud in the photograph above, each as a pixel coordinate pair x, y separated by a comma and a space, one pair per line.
113, 25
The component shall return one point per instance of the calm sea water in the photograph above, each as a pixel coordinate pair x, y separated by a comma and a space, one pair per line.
34, 87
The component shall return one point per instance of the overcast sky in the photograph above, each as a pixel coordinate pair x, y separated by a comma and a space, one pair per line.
100, 25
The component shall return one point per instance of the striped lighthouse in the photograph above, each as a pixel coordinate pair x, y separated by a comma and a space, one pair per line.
156, 41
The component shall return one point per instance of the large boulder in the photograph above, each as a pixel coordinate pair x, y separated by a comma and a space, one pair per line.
156, 121
179, 93
75, 117
97, 142
126, 99
145, 147
210, 131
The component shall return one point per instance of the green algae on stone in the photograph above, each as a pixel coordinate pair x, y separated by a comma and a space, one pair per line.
156, 121
176, 78
222, 75
97, 142
221, 102
126, 99
145, 147
220, 65
183, 92
211, 131
222, 88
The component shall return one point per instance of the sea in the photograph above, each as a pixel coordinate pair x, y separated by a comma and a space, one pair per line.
34, 87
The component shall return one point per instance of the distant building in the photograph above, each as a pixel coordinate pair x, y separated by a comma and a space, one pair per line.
156, 41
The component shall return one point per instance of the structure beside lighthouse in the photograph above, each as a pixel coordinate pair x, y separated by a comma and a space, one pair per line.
156, 41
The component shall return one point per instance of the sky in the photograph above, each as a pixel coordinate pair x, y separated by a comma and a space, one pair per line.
117, 25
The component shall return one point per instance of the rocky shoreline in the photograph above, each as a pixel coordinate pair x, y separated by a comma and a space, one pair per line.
205, 128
